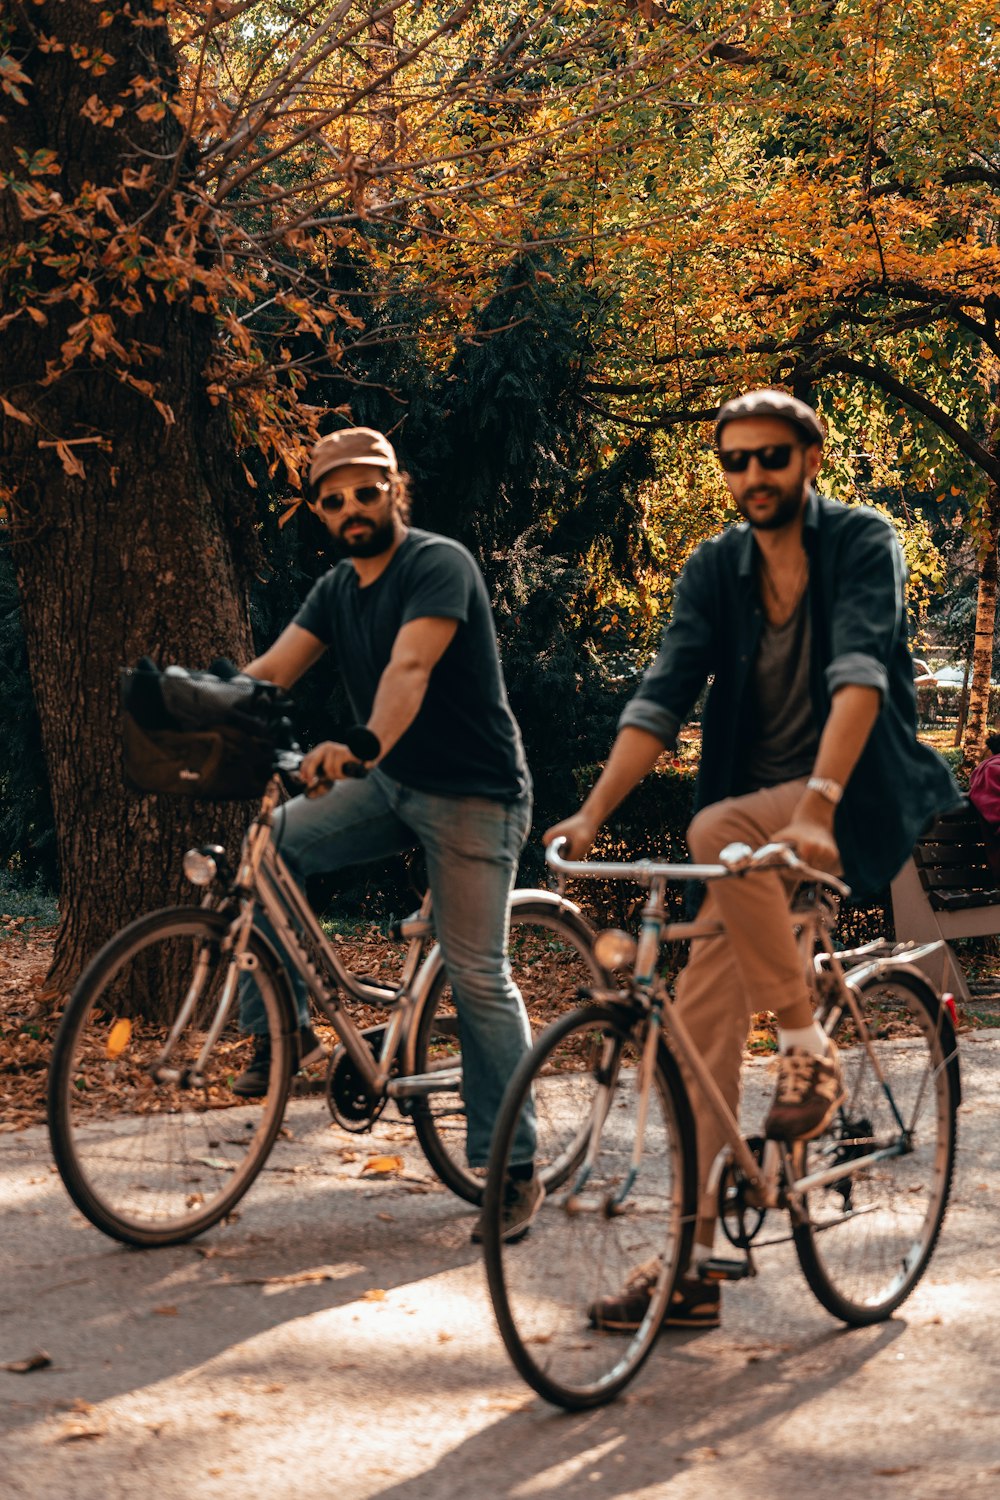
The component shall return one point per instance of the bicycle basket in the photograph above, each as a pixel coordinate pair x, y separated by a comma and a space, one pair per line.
192, 734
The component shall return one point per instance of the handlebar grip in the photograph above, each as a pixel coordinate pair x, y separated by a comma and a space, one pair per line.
354, 769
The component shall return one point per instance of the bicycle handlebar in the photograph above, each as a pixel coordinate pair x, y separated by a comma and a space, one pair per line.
735, 859
359, 739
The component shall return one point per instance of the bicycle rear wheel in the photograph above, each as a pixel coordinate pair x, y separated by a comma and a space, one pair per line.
596, 1223
551, 957
868, 1236
157, 1161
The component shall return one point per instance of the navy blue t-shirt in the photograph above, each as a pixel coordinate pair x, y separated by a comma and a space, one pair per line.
464, 741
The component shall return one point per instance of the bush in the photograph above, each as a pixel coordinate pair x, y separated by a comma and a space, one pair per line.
25, 904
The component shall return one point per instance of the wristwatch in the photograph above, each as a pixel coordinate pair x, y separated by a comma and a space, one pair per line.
827, 787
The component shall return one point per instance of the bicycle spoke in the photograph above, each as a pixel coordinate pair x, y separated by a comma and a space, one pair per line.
887, 1158
153, 1144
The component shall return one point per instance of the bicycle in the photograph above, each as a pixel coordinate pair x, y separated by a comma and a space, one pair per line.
616, 1138
151, 1143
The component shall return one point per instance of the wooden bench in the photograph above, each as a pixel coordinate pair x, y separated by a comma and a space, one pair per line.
946, 891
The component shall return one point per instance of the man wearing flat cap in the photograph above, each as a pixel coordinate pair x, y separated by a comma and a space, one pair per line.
798, 617
409, 618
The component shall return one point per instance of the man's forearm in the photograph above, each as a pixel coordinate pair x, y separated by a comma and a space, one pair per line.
852, 716
398, 697
845, 733
633, 755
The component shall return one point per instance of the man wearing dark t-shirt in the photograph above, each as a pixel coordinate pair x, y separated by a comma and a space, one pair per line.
409, 618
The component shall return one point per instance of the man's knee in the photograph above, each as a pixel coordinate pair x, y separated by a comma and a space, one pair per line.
711, 829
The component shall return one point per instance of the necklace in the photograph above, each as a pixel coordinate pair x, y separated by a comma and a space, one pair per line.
781, 607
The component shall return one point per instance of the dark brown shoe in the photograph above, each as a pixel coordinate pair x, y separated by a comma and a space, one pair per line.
693, 1303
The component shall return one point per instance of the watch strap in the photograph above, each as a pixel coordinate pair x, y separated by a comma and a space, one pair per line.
826, 787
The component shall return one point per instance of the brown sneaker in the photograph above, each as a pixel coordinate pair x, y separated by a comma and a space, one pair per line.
521, 1202
809, 1093
693, 1303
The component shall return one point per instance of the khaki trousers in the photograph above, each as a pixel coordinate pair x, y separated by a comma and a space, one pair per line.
755, 965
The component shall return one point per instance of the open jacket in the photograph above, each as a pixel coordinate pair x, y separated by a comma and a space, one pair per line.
857, 607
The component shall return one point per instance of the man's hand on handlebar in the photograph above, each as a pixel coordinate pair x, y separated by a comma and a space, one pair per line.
326, 763
812, 840
579, 832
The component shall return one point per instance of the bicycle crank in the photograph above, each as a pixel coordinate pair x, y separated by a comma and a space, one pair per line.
348, 1097
742, 1219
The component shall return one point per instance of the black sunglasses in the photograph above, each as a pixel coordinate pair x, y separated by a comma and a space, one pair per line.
774, 456
364, 494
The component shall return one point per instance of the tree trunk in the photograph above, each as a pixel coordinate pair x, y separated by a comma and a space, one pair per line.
977, 725
135, 555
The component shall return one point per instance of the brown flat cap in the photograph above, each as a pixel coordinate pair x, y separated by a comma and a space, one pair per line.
351, 445
771, 404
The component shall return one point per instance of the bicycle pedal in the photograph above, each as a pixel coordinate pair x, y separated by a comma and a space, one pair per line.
716, 1268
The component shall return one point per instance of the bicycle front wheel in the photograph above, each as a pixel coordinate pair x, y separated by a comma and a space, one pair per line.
603, 1216
868, 1235
149, 1139
551, 957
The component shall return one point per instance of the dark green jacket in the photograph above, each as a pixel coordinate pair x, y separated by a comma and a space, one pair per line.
858, 615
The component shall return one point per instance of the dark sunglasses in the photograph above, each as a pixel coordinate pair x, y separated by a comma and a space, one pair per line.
364, 494
774, 456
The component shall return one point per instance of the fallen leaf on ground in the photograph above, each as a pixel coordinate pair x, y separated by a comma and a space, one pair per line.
168, 1310
79, 1431
383, 1166
373, 1294
39, 1361
891, 1469
295, 1278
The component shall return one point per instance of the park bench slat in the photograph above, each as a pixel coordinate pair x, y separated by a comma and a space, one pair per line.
962, 900
963, 878
932, 856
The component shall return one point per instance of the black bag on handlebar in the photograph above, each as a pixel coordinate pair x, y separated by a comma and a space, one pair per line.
197, 734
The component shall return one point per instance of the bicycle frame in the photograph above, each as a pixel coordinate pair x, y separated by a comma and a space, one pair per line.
812, 918
263, 877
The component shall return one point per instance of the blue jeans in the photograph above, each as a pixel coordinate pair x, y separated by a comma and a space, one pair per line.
472, 847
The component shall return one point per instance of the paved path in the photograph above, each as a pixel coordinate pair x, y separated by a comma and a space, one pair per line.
336, 1341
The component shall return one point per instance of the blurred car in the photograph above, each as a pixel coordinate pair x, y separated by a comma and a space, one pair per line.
922, 674
950, 678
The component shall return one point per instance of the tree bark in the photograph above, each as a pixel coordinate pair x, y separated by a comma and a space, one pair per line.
976, 724
137, 554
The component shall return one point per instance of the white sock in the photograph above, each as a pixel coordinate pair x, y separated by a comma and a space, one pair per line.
699, 1255
810, 1038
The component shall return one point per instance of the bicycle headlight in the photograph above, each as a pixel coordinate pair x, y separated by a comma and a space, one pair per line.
200, 867
614, 949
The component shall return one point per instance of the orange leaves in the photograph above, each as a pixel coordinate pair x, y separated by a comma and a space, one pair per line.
15, 412
39, 163
141, 180
71, 464
11, 76
101, 114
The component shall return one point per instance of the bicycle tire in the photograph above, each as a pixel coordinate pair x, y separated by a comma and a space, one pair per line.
153, 1163
867, 1239
439, 1119
581, 1073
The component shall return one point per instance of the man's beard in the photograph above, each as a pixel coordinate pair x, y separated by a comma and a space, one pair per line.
788, 502
371, 544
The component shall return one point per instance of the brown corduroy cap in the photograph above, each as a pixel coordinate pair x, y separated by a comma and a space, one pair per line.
771, 404
351, 445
